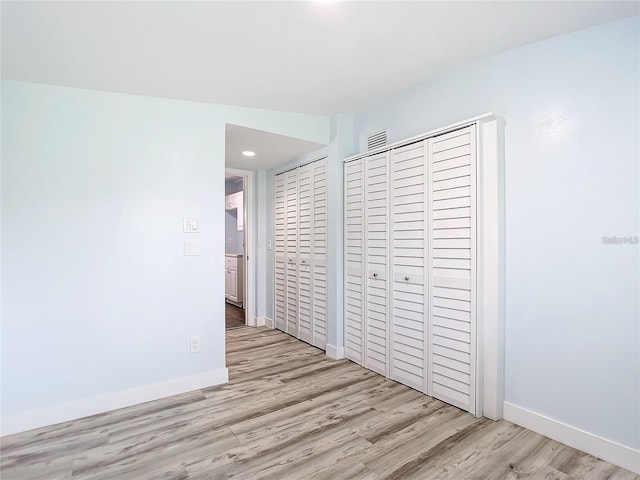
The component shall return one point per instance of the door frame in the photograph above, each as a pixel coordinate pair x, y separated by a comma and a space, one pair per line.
248, 259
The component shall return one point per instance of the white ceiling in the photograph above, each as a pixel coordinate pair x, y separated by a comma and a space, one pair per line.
311, 57
308, 57
271, 149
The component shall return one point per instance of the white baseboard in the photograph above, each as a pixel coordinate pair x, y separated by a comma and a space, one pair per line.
268, 322
616, 453
337, 353
260, 321
62, 412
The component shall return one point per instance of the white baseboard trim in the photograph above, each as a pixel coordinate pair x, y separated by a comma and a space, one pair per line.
268, 322
337, 353
260, 321
616, 453
65, 411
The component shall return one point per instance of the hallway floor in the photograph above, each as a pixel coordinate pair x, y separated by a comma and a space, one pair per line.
234, 316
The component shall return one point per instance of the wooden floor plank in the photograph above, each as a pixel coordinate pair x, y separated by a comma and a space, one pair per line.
291, 412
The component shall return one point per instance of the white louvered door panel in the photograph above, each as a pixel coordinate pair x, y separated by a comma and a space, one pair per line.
291, 191
355, 276
452, 266
319, 253
377, 256
305, 238
280, 227
407, 230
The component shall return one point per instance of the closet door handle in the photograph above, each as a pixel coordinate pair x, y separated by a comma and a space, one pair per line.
406, 279
375, 275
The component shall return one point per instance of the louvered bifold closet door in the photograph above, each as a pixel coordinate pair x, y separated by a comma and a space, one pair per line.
291, 191
355, 277
407, 229
319, 253
452, 258
377, 256
280, 227
305, 235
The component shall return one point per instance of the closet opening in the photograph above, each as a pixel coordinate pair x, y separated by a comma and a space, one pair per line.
424, 243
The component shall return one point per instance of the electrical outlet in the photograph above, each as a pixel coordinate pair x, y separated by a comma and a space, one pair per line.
195, 344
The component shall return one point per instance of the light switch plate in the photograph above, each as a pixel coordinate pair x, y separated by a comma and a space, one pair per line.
190, 225
192, 248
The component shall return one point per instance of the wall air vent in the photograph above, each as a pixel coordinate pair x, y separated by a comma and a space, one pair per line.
376, 140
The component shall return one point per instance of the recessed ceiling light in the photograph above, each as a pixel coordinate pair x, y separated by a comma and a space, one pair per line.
249, 153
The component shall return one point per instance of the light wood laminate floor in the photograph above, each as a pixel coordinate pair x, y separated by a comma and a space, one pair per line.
290, 412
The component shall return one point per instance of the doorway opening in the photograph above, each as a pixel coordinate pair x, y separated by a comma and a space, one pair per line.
250, 158
235, 252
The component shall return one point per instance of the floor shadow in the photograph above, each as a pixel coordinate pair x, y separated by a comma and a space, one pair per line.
234, 316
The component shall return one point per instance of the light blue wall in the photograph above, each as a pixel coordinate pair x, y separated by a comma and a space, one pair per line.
571, 106
97, 296
234, 238
94, 189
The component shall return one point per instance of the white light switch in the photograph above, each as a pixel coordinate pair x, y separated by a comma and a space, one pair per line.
191, 248
190, 225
